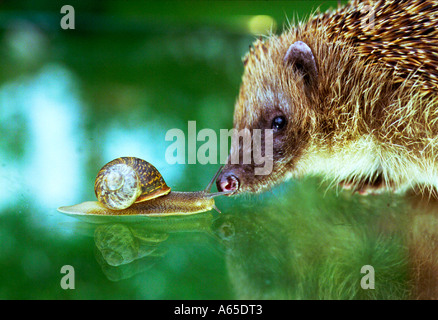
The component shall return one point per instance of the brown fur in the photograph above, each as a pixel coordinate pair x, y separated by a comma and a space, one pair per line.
375, 98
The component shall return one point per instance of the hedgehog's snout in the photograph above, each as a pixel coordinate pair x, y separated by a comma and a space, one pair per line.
227, 181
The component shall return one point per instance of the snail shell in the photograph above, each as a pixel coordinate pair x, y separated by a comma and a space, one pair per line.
127, 180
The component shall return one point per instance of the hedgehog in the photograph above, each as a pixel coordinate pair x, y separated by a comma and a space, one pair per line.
351, 95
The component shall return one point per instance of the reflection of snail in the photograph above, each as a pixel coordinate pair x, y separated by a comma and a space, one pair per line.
130, 186
120, 244
124, 250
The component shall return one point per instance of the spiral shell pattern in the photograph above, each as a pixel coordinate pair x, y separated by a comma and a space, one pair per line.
127, 180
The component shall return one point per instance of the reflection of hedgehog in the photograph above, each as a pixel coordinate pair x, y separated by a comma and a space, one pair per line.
352, 94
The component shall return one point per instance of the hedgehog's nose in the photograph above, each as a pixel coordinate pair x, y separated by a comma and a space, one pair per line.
227, 182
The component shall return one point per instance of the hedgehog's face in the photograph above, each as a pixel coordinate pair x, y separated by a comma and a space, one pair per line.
272, 99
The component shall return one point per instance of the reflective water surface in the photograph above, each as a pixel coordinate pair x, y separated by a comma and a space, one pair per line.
72, 100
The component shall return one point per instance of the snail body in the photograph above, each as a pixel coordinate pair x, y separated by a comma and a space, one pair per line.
132, 186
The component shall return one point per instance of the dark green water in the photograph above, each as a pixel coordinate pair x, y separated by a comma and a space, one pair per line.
72, 100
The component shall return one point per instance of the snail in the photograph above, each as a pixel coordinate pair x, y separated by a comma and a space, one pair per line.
121, 244
133, 186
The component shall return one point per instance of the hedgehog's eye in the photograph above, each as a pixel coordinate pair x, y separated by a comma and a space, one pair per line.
278, 123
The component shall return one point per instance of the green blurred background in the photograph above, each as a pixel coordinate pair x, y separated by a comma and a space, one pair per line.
72, 100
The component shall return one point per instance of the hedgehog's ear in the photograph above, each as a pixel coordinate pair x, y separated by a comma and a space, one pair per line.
300, 57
